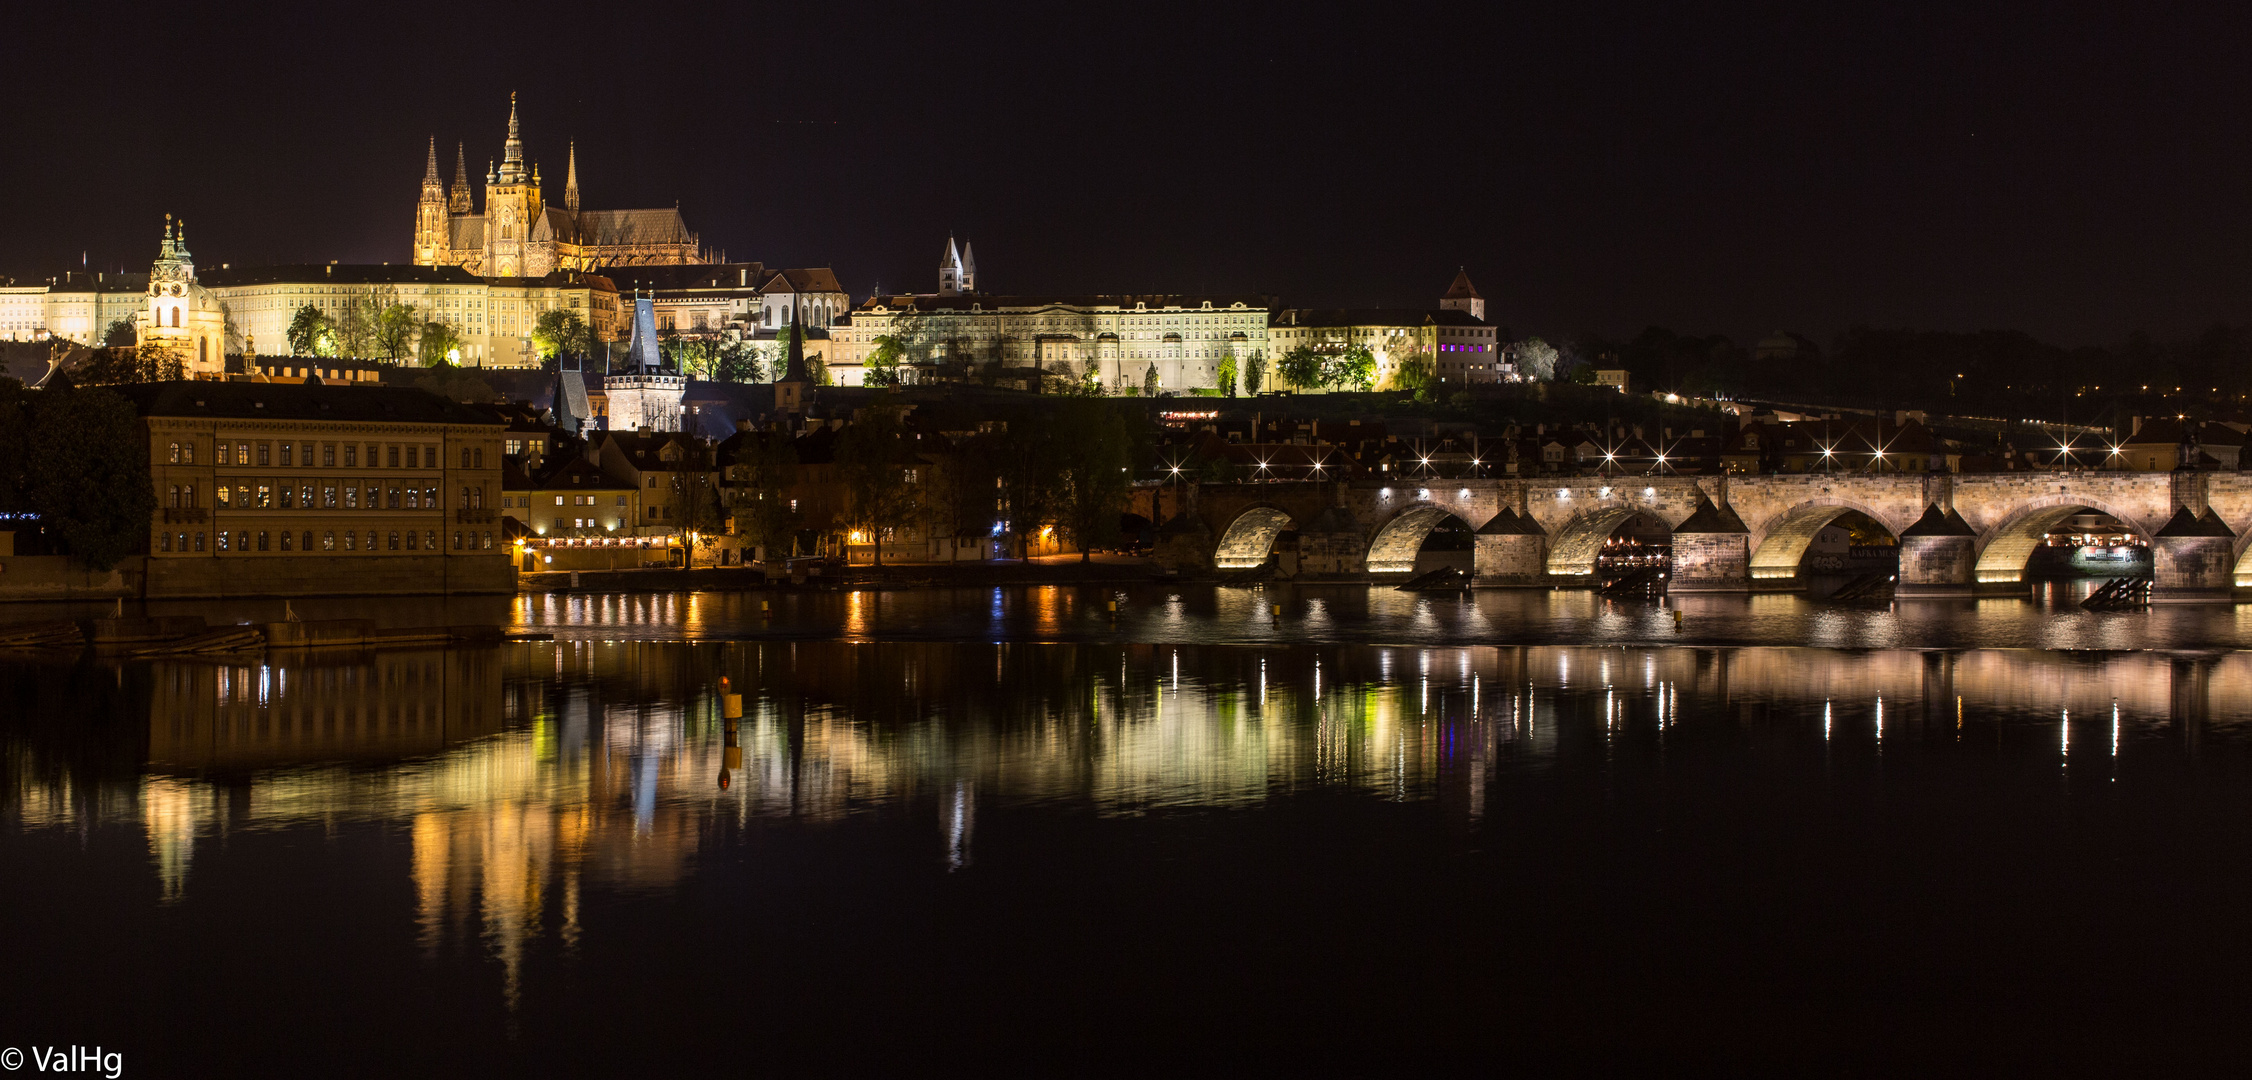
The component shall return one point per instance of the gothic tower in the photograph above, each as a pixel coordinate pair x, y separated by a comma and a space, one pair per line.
571, 182
460, 202
512, 206
430, 231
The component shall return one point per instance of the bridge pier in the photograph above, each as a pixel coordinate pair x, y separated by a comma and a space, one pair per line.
2193, 560
1712, 552
1510, 551
1938, 556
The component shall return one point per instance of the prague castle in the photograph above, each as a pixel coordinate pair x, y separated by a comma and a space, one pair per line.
520, 234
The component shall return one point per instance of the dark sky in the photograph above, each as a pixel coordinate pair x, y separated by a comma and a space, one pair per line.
2075, 170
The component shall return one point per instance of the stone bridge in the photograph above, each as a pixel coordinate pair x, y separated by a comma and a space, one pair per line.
1959, 534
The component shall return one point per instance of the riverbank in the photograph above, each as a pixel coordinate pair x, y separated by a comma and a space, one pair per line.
1048, 570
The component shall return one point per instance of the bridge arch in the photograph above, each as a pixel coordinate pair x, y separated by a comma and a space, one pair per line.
2004, 550
1394, 547
1572, 552
1250, 538
2243, 560
1782, 546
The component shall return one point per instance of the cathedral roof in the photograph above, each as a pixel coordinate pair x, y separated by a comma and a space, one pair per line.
466, 232
614, 227
554, 225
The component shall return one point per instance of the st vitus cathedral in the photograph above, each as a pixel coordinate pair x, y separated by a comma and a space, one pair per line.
520, 235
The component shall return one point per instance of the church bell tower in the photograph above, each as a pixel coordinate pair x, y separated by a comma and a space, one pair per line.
511, 203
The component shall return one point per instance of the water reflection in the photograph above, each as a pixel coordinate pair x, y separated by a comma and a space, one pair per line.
1282, 614
525, 776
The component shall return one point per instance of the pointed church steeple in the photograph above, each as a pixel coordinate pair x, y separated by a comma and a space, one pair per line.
430, 168
950, 269
571, 181
460, 202
793, 368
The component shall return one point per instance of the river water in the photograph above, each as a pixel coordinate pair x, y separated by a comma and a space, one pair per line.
1014, 830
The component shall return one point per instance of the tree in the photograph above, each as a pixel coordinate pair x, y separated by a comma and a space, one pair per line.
883, 361
1536, 359
560, 332
308, 331
440, 345
1093, 453
767, 469
75, 462
738, 362
1018, 460
818, 368
150, 361
395, 328
121, 333
1352, 369
699, 513
1149, 381
1302, 367
1255, 373
1414, 375
877, 464
1227, 374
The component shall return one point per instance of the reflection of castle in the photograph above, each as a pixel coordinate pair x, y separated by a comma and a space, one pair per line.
546, 769
519, 234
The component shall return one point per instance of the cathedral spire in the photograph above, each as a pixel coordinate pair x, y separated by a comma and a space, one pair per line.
460, 202
430, 170
571, 181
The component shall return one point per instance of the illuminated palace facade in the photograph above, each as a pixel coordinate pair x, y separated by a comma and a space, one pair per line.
519, 234
1116, 339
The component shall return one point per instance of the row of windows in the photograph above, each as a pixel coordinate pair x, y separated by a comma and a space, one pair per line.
291, 454
576, 500
426, 540
248, 496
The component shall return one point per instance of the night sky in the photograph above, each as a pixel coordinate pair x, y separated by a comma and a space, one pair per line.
2075, 170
